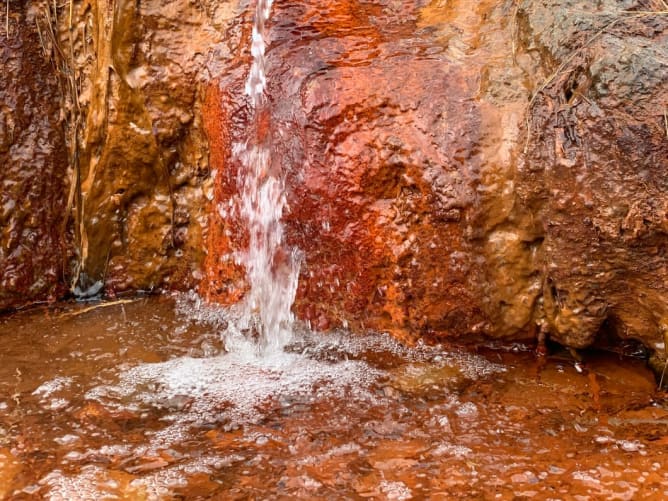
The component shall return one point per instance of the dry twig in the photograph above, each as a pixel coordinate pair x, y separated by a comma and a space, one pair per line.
105, 304
559, 71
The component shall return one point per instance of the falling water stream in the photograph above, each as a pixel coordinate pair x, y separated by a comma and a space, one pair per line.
272, 269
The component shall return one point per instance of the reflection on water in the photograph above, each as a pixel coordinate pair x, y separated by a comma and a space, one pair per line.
142, 400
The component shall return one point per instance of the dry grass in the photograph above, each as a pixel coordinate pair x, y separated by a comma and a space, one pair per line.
560, 71
665, 354
514, 29
63, 60
97, 306
663, 373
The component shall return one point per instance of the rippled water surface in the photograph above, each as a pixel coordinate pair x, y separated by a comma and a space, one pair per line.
158, 399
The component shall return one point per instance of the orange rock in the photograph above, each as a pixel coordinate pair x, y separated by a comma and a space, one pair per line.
379, 180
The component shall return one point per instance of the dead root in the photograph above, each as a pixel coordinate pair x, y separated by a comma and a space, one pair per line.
560, 71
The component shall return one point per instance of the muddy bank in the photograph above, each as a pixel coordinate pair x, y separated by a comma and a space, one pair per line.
452, 171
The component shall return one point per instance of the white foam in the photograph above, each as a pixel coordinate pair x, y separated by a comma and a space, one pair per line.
67, 439
239, 387
467, 410
84, 485
56, 384
395, 490
194, 308
447, 449
230, 389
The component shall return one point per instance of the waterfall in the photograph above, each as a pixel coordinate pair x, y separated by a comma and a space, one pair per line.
272, 269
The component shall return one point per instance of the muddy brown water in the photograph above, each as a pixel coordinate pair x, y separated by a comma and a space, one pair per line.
140, 400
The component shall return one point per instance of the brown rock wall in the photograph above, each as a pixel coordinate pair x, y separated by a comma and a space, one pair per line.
33, 163
143, 153
596, 166
420, 201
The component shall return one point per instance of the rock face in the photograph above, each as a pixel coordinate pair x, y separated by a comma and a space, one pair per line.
143, 156
381, 179
452, 170
422, 204
33, 157
596, 168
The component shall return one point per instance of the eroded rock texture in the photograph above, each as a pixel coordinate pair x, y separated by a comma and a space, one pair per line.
492, 168
422, 204
374, 135
596, 168
33, 164
397, 133
142, 152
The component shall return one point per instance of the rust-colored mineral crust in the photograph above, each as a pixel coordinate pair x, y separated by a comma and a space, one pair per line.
389, 177
419, 200
492, 168
33, 163
377, 122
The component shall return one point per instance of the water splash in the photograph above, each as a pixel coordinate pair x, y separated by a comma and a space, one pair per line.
272, 269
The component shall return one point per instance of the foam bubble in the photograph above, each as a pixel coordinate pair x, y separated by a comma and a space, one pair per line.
395, 490
56, 384
239, 387
232, 388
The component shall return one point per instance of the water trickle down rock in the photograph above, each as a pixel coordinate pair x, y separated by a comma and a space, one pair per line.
381, 179
402, 130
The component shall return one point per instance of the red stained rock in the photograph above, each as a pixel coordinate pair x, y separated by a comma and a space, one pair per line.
401, 129
376, 132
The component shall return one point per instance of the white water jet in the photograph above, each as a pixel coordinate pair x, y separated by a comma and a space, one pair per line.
257, 78
272, 269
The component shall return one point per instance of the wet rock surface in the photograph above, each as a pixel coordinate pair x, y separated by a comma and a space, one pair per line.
33, 160
452, 171
143, 156
422, 204
379, 182
595, 171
